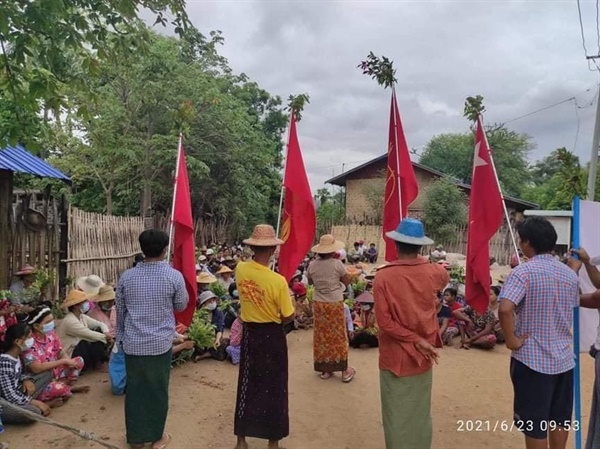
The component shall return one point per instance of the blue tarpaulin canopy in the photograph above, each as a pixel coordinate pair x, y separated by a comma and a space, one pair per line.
18, 159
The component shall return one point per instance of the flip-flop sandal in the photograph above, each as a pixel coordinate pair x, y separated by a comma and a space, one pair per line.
326, 376
163, 446
350, 377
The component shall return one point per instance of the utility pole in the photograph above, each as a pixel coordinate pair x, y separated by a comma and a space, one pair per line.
593, 172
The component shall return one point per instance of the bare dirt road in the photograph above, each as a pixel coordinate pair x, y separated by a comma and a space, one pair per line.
468, 385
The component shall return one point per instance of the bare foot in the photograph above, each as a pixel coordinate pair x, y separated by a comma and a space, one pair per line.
80, 389
241, 443
55, 403
163, 442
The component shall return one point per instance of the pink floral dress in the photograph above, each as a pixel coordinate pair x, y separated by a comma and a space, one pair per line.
47, 349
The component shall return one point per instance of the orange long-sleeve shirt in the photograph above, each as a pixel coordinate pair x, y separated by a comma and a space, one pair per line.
405, 293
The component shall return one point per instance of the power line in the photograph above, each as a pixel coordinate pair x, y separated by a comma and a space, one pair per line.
539, 110
598, 24
583, 36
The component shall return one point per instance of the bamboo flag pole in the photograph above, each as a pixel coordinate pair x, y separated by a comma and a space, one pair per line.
280, 212
398, 177
506, 216
171, 224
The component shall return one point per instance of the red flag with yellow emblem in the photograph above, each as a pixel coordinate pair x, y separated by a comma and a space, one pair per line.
299, 217
401, 186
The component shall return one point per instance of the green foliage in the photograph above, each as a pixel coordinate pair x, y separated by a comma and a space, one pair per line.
457, 275
358, 286
218, 289
296, 105
474, 107
121, 154
380, 69
201, 331
225, 305
452, 154
182, 357
350, 303
444, 210
331, 209
49, 45
556, 180
310, 293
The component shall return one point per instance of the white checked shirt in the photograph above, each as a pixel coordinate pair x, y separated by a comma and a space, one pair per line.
146, 298
545, 291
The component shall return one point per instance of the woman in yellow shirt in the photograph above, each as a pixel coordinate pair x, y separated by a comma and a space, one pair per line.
262, 397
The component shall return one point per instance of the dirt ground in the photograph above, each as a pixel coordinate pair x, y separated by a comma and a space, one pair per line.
468, 385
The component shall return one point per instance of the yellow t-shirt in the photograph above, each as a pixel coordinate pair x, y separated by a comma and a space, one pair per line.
264, 294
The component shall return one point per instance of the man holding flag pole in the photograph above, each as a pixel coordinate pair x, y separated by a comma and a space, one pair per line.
148, 298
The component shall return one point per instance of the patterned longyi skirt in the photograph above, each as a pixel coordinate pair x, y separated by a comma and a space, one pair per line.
330, 345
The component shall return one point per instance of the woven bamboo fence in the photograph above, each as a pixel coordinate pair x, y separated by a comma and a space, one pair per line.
104, 245
501, 247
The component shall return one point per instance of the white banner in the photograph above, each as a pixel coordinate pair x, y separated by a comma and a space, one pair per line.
589, 239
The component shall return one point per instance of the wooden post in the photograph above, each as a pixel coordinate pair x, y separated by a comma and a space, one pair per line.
6, 182
63, 224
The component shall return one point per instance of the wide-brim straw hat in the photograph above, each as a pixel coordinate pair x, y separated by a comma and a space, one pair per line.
205, 278
225, 269
328, 244
74, 297
25, 270
90, 284
263, 235
411, 232
365, 298
106, 293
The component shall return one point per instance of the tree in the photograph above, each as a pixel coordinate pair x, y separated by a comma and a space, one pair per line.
49, 45
452, 154
557, 179
444, 210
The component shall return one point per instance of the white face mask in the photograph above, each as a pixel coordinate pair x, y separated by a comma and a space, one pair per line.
212, 306
365, 307
85, 307
27, 344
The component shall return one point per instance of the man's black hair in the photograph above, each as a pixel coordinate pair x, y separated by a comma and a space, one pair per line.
153, 242
405, 248
453, 292
539, 233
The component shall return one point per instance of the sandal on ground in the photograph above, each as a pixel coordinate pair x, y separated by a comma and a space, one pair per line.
165, 444
326, 376
349, 378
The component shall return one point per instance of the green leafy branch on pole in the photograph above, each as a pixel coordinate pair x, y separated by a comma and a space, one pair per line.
296, 104
380, 69
474, 107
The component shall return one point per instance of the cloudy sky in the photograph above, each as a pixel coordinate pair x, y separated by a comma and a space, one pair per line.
520, 55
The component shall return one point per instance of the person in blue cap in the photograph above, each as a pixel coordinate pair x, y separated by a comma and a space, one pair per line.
405, 294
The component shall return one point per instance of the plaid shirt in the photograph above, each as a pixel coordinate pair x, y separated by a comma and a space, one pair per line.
147, 297
11, 380
545, 292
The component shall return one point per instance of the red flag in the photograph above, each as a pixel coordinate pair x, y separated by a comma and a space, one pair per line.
299, 218
485, 217
184, 248
400, 173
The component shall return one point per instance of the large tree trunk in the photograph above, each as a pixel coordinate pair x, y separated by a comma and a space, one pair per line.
109, 200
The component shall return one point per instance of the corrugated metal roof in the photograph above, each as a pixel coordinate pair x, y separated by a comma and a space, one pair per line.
18, 159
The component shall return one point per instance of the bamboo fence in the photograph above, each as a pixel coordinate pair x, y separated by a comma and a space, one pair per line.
501, 247
103, 245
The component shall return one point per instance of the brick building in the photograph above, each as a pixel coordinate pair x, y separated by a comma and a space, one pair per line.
364, 182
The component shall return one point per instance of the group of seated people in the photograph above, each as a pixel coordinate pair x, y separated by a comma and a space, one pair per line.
42, 357
456, 318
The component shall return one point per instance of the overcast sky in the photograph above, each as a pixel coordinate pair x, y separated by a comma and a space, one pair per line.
520, 55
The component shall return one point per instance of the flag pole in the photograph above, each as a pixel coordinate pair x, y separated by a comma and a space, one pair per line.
287, 149
506, 216
397, 150
279, 213
576, 331
171, 224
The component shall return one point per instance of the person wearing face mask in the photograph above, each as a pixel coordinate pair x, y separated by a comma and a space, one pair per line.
208, 300
105, 311
366, 335
83, 336
16, 387
46, 360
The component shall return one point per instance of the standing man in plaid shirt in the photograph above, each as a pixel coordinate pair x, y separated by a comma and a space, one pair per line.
147, 297
542, 292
